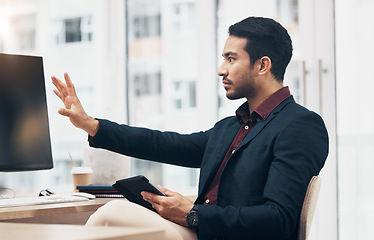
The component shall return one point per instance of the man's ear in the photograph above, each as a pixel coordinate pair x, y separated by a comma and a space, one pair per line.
264, 65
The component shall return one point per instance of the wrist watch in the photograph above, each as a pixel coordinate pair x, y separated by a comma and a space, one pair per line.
192, 218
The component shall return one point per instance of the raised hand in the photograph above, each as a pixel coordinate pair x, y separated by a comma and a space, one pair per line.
73, 107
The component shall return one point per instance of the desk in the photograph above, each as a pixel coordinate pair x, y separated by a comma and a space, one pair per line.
58, 213
18, 231
13, 223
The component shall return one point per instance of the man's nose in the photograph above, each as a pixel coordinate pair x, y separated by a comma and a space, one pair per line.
222, 71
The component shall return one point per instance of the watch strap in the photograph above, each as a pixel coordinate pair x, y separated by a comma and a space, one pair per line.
192, 218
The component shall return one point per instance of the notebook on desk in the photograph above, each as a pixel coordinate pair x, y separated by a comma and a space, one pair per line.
100, 191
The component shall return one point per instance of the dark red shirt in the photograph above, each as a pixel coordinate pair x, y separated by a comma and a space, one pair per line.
248, 122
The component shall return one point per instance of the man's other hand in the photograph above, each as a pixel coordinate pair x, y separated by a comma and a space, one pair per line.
173, 207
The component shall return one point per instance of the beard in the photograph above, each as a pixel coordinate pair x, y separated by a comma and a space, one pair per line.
247, 90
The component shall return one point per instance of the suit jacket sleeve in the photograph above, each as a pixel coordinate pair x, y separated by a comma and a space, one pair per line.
166, 147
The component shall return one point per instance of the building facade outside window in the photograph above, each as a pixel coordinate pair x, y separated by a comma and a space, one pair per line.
153, 27
72, 30
184, 95
184, 16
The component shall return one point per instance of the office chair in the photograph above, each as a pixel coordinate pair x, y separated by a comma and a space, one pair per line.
309, 206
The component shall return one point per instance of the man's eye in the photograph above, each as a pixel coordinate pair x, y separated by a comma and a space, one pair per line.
230, 59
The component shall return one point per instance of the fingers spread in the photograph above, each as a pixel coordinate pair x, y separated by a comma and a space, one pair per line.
58, 94
61, 87
69, 84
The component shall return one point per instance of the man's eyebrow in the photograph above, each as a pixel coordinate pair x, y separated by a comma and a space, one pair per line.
229, 54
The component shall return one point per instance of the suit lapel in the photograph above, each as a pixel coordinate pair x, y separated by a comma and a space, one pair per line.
260, 125
255, 131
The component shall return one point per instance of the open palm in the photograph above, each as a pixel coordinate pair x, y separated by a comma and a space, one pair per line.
73, 107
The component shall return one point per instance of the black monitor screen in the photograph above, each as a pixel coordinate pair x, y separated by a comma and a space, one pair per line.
24, 129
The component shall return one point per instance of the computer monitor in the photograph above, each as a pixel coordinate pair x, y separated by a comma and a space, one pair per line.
24, 129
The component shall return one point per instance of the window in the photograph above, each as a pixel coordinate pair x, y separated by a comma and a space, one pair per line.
355, 131
184, 94
184, 17
147, 26
144, 19
161, 76
147, 84
73, 30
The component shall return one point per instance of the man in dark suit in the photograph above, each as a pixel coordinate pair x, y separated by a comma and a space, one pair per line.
254, 167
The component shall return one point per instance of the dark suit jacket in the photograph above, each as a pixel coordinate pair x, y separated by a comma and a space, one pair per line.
263, 184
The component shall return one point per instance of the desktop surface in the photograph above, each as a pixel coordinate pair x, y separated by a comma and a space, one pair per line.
16, 231
46, 210
57, 219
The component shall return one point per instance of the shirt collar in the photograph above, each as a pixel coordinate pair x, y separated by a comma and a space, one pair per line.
264, 109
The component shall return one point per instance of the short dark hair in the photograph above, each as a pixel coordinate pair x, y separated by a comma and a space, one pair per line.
266, 37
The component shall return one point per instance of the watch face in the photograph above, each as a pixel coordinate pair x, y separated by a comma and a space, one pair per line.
192, 219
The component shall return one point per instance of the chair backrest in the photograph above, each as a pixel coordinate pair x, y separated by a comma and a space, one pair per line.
309, 205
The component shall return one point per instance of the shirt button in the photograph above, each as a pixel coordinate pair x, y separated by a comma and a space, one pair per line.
233, 151
207, 201
246, 127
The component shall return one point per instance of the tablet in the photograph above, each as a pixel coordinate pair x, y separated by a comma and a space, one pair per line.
131, 188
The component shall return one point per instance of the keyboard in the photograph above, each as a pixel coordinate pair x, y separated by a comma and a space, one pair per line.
27, 201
